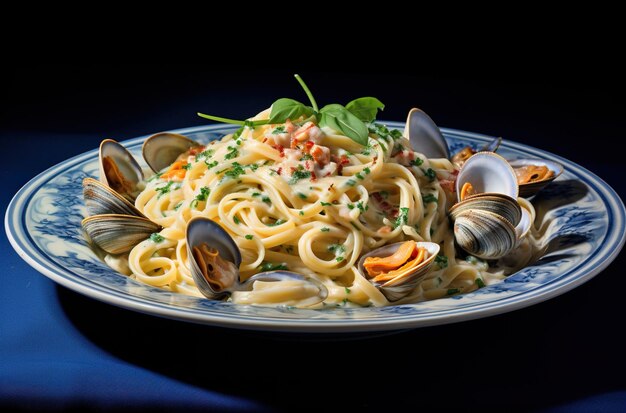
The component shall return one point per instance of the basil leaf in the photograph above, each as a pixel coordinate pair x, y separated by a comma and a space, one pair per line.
285, 108
365, 108
340, 119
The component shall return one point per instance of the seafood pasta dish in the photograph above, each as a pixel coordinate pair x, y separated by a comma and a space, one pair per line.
315, 207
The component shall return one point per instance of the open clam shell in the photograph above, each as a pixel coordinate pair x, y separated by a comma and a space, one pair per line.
116, 233
529, 189
161, 150
488, 172
484, 234
222, 269
118, 169
100, 199
425, 136
404, 283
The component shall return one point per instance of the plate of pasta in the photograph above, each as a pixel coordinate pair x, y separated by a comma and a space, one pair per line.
317, 220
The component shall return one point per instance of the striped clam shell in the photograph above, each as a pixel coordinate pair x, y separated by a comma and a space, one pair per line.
117, 234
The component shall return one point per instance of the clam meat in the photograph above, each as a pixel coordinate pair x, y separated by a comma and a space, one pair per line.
396, 269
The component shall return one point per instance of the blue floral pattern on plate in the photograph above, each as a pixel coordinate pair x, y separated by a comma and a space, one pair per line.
580, 218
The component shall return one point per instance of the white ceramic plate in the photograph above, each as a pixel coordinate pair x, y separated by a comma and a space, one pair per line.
580, 216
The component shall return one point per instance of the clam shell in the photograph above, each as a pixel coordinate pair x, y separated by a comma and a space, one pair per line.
200, 231
117, 234
499, 204
275, 276
484, 234
161, 150
125, 162
522, 228
530, 189
100, 199
488, 172
403, 284
425, 136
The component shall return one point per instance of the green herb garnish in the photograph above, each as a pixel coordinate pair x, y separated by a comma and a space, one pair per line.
479, 282
402, 219
325, 203
236, 170
430, 173
156, 238
429, 198
234, 152
270, 266
452, 291
416, 162
442, 261
249, 236
325, 229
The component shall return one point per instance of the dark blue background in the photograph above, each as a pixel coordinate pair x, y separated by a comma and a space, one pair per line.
59, 350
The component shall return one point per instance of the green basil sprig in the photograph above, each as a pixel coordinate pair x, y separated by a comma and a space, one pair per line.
341, 119
365, 108
349, 120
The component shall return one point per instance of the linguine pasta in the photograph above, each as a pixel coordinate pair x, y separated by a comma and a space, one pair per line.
310, 200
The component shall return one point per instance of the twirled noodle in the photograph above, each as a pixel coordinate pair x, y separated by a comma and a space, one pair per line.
313, 207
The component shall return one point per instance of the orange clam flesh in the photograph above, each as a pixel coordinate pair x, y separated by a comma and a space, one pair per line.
384, 269
532, 173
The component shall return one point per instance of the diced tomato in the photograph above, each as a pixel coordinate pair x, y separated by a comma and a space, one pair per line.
280, 149
196, 150
313, 176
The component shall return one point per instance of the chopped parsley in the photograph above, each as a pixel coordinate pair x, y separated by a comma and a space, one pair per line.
367, 150
202, 196
306, 157
430, 173
337, 248
278, 222
256, 194
279, 129
178, 205
367, 170
403, 218
234, 152
205, 155
350, 206
236, 220
351, 182
249, 236
442, 261
325, 229
361, 207
325, 203
235, 171
384, 194
301, 195
187, 167
480, 283
358, 175
429, 198
452, 291
270, 266
210, 165
395, 134
267, 200
299, 174
416, 162
253, 167
339, 259
156, 238
301, 213
167, 188
347, 290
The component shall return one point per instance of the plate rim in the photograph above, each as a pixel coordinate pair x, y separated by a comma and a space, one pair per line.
617, 233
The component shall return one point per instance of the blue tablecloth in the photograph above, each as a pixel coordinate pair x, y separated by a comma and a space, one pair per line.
60, 350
